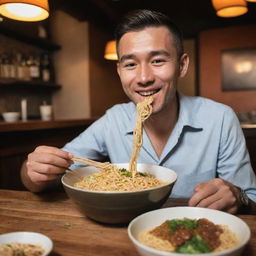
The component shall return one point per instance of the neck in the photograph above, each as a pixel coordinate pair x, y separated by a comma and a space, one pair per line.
164, 121
159, 126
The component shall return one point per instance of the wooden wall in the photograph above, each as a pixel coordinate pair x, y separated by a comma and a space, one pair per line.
105, 86
211, 42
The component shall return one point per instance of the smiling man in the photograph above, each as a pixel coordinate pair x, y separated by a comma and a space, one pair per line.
198, 138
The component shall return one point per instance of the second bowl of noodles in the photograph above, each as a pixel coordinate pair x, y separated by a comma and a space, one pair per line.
124, 200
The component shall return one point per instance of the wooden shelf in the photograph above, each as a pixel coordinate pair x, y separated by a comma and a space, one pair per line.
30, 125
44, 44
31, 85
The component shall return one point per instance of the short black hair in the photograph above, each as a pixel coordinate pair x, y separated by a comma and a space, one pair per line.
139, 19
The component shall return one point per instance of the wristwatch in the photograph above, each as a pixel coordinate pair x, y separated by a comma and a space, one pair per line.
243, 198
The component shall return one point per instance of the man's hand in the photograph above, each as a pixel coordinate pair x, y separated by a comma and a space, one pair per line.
216, 194
44, 164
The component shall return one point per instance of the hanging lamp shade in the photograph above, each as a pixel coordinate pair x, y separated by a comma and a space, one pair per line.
230, 8
25, 10
110, 51
251, 1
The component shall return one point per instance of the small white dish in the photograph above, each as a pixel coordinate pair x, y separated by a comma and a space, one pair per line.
28, 238
11, 116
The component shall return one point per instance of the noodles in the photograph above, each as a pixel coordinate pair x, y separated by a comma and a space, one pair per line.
110, 178
18, 249
118, 180
203, 237
228, 239
144, 109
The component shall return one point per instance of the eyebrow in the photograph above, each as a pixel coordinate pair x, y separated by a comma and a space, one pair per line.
152, 54
127, 57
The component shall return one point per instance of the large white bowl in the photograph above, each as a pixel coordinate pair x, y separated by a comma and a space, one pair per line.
152, 219
119, 207
28, 238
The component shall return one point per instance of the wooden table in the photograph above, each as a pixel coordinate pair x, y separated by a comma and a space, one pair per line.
54, 215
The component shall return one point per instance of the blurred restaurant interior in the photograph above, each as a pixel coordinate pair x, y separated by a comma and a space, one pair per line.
59, 62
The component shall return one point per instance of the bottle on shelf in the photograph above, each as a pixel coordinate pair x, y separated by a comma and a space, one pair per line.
42, 32
5, 66
24, 113
19, 66
1, 66
33, 65
45, 68
25, 68
12, 66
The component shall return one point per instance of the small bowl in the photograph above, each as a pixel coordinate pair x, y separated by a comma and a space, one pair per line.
11, 116
115, 207
155, 218
28, 238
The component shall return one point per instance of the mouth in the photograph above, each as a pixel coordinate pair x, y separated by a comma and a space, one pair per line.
148, 93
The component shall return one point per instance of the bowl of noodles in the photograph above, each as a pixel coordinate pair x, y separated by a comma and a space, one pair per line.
117, 197
178, 231
25, 243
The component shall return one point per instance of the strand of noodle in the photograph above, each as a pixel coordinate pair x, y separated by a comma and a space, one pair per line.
144, 110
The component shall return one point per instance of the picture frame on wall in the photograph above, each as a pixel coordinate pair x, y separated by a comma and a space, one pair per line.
238, 69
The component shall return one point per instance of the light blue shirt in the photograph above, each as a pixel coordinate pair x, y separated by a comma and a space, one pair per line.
207, 142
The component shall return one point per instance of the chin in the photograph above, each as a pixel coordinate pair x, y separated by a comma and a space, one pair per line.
156, 109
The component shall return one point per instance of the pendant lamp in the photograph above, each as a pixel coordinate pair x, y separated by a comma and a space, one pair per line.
230, 8
25, 10
110, 51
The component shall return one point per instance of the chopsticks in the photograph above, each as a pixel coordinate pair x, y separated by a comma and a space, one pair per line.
103, 166
75, 174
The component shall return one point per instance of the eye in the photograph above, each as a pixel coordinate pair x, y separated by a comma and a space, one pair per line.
129, 65
158, 62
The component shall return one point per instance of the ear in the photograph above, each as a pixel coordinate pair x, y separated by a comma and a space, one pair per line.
184, 62
118, 68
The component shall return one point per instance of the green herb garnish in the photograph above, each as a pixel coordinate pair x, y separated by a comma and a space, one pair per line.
186, 223
193, 246
143, 174
124, 172
90, 178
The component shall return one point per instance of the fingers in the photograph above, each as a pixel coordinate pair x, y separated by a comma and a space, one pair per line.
37, 177
48, 158
47, 163
215, 194
54, 151
47, 169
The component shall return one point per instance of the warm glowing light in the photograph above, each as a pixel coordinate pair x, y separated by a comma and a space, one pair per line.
230, 8
244, 67
110, 51
251, 1
25, 10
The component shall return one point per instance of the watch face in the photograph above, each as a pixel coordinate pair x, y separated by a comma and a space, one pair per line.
244, 198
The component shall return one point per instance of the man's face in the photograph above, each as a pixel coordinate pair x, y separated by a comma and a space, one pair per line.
149, 65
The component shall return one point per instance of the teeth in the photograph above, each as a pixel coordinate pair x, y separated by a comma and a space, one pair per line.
148, 93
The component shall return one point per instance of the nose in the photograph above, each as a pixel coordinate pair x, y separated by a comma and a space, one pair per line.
145, 75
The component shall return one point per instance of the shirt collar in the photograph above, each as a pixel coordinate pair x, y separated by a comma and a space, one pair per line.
187, 112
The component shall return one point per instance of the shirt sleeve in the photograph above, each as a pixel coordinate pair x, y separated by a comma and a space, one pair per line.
90, 143
233, 160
